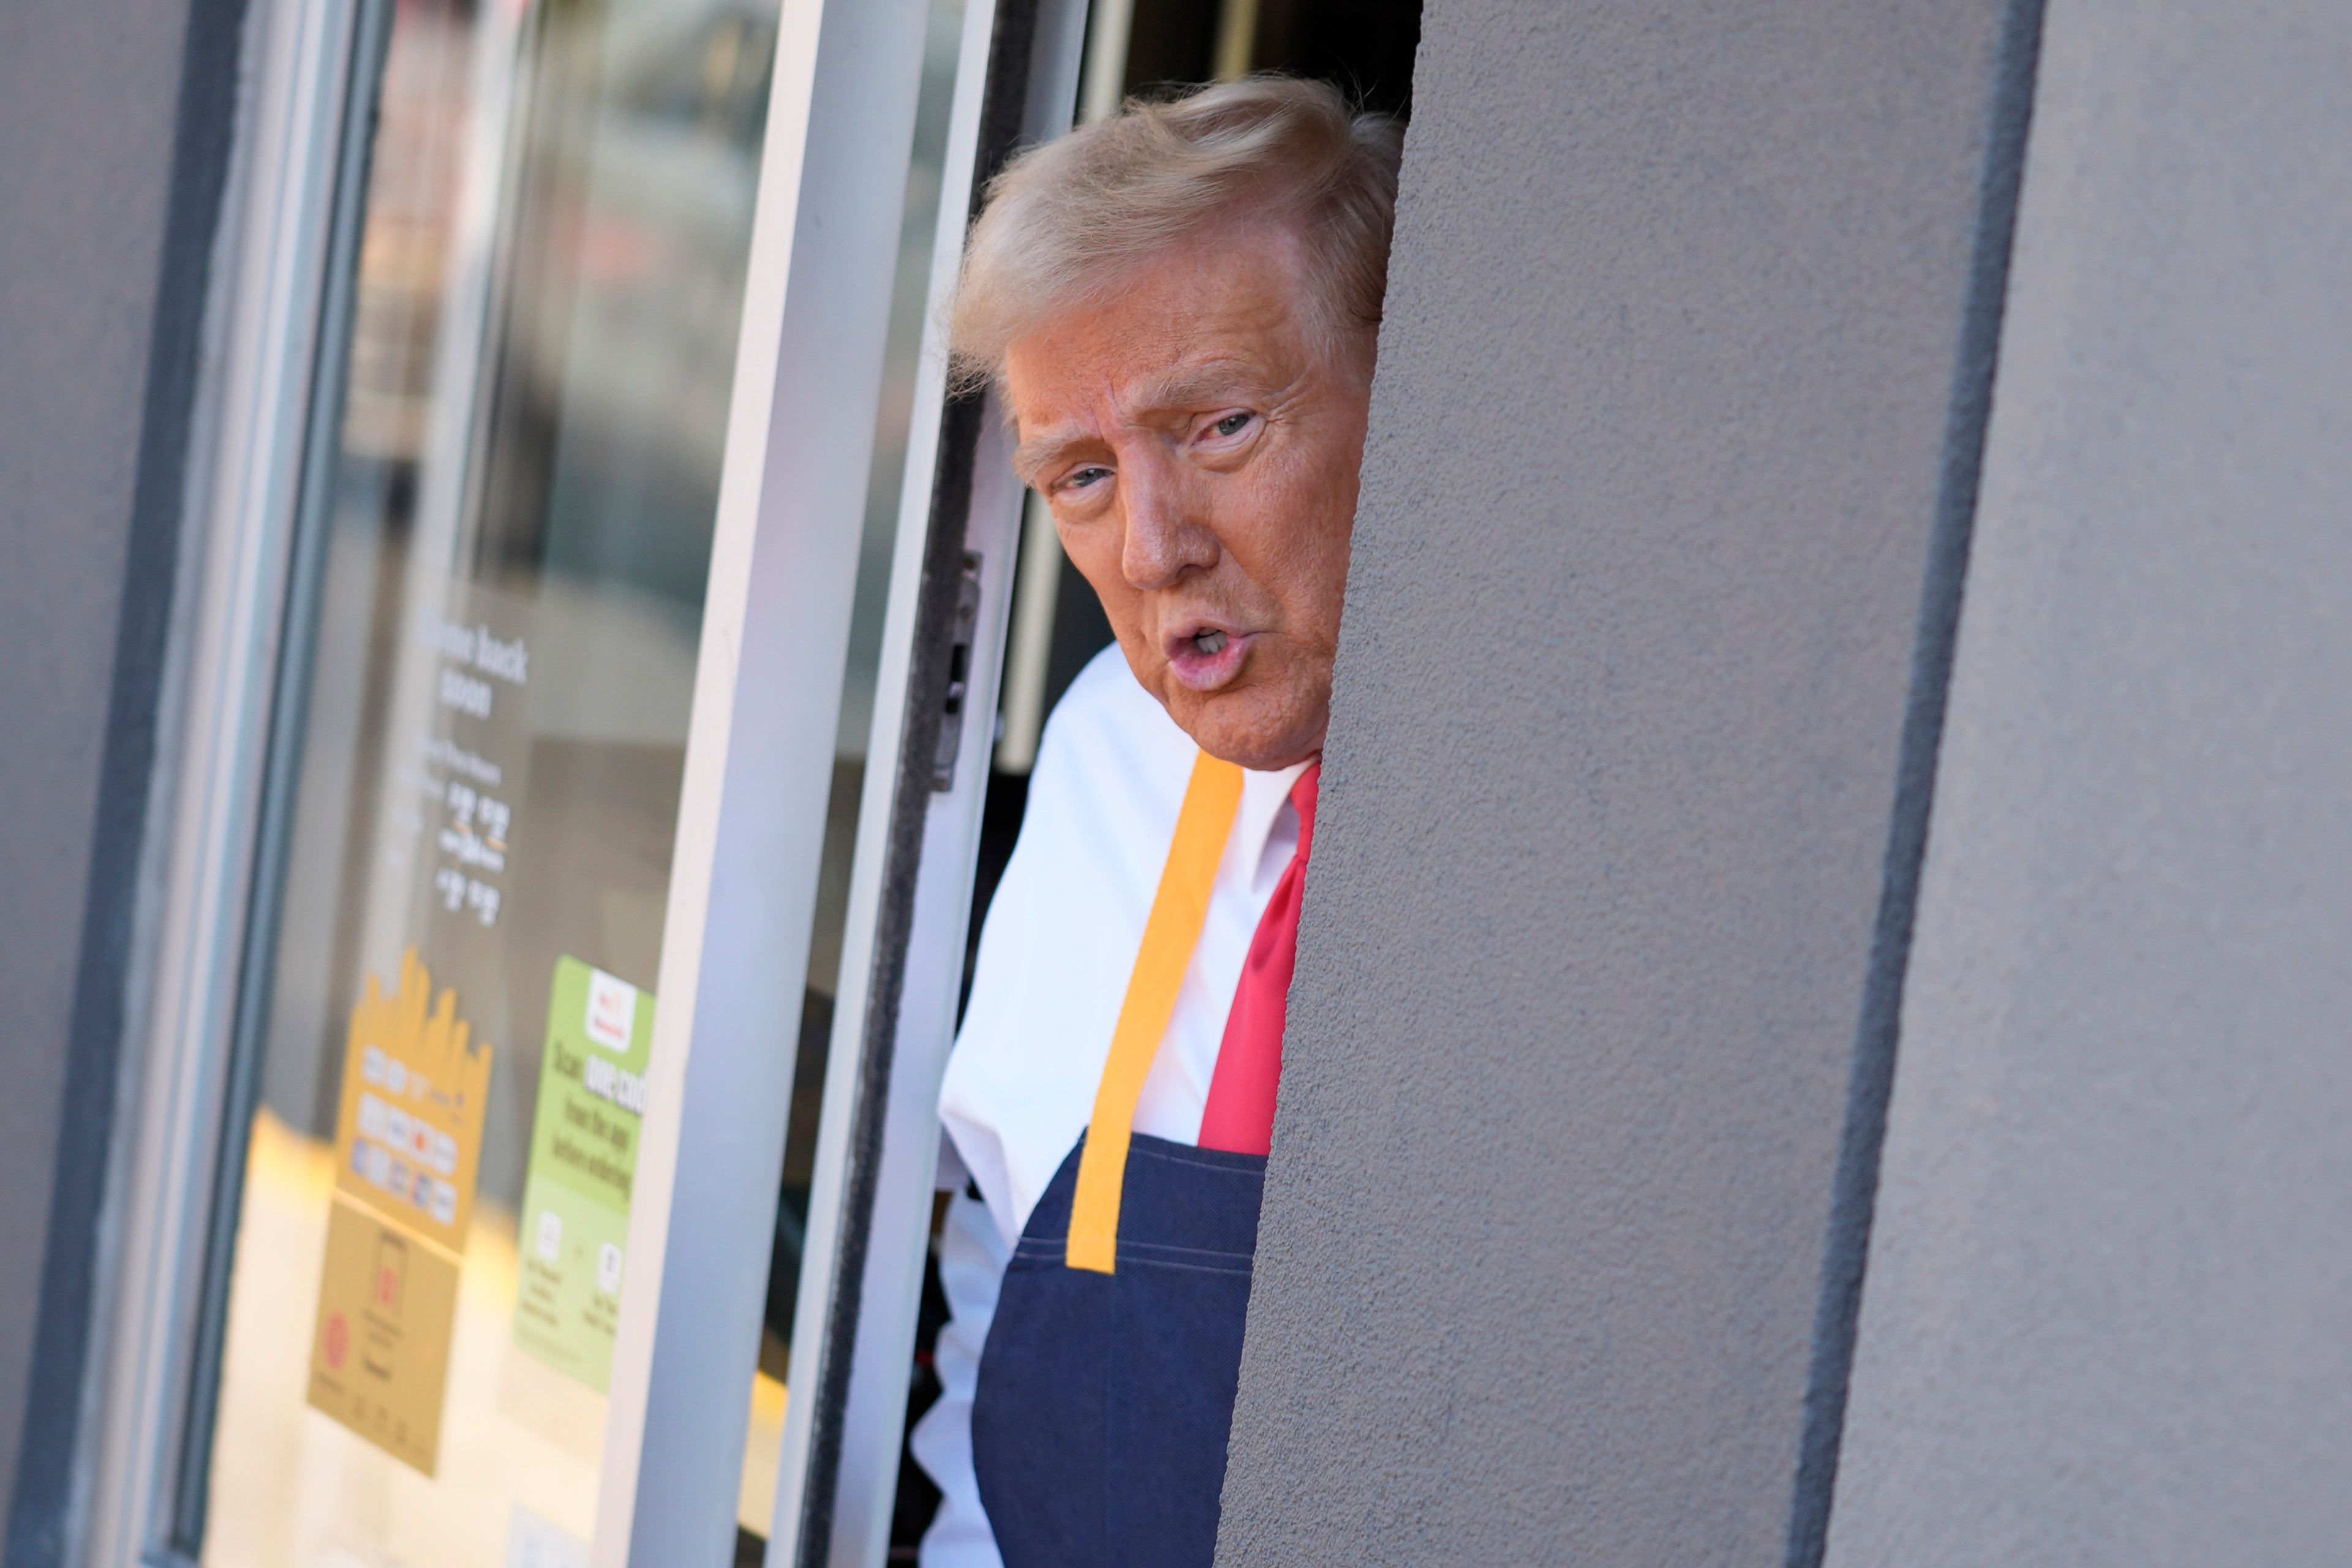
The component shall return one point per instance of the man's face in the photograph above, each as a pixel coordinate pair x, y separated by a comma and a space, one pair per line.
1199, 448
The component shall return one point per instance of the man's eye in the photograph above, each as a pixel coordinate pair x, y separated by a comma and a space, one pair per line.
1083, 477
1231, 424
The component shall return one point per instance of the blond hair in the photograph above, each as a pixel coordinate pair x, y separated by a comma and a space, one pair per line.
1065, 220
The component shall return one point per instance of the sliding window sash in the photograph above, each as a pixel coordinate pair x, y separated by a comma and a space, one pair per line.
911, 879
759, 767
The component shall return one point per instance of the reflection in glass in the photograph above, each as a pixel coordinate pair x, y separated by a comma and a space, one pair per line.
517, 516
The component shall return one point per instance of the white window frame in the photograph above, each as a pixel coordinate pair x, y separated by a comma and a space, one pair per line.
759, 771
902, 963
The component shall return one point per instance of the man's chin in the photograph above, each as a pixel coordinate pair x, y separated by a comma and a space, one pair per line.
1241, 726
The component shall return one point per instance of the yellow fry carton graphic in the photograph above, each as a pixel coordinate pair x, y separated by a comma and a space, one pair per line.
408, 1141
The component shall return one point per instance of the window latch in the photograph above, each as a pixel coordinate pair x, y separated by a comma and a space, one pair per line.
951, 706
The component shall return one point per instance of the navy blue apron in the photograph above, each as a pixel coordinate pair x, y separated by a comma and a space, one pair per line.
1098, 1428
1105, 1393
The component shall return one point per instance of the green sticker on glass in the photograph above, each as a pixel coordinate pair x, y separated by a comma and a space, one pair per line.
584, 1164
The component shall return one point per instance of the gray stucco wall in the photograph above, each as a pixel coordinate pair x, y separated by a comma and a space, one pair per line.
109, 184
1658, 447
2108, 1313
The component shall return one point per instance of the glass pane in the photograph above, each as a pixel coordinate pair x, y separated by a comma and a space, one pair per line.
554, 229
919, 218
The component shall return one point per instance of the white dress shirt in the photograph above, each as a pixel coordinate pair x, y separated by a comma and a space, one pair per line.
1056, 952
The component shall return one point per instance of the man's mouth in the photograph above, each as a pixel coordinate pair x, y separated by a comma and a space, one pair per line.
1204, 656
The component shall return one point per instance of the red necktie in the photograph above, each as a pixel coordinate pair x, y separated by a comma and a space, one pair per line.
1240, 1113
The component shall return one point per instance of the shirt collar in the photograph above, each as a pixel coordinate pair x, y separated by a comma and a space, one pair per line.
1265, 808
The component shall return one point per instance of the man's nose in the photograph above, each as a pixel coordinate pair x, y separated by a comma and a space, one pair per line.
1167, 526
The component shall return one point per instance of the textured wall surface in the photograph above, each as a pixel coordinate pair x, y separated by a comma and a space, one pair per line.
2108, 1313
93, 166
1674, 316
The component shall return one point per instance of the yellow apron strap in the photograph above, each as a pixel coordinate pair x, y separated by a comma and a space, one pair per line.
1178, 911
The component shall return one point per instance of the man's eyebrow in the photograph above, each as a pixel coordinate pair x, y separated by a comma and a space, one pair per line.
1042, 450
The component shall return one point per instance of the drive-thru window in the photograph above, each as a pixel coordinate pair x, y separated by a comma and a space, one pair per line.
626, 702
